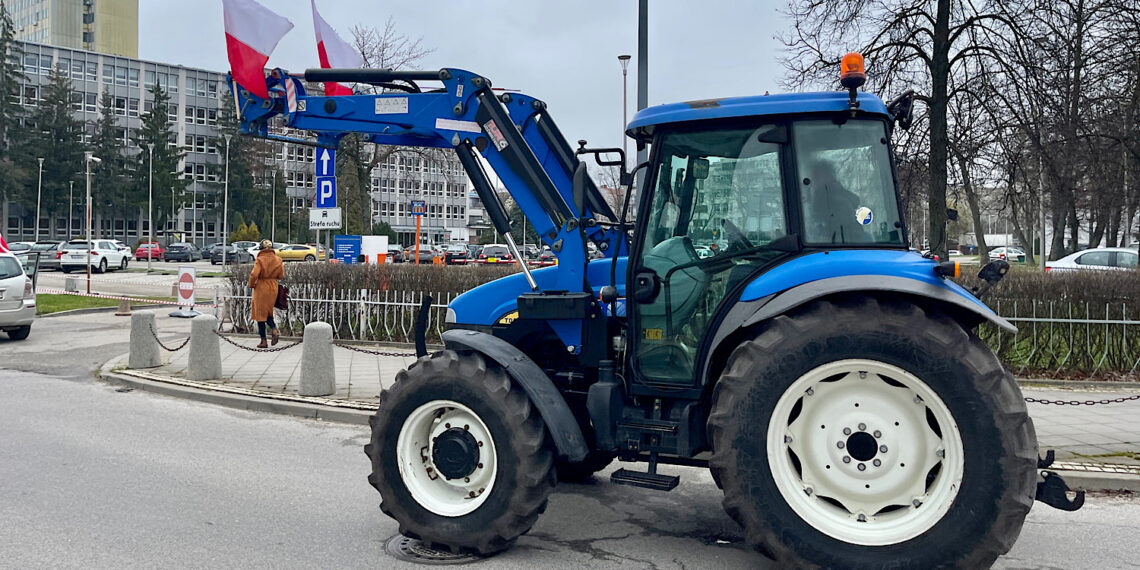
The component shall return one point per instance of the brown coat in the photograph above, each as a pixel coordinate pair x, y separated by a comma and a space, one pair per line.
263, 280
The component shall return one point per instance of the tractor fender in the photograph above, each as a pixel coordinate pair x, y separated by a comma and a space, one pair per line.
564, 429
748, 313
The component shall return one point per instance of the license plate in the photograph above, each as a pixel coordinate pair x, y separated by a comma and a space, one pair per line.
493, 260
78, 256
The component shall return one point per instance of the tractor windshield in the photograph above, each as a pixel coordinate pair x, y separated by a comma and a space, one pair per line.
846, 185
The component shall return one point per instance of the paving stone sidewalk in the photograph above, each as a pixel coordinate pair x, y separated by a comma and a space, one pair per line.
1100, 434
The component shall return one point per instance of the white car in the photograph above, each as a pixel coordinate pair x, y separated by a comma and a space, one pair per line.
17, 298
1101, 258
104, 256
1007, 253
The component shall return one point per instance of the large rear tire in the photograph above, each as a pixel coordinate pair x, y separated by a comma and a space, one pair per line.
861, 434
460, 456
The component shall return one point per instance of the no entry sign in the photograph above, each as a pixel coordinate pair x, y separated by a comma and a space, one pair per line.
186, 277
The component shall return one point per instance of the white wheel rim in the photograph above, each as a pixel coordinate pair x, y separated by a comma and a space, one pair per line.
429, 488
878, 504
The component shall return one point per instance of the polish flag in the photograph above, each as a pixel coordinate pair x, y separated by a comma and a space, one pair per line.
3, 245
252, 33
333, 52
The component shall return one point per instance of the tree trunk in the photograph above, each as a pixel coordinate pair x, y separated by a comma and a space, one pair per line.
1074, 225
1057, 250
939, 139
975, 210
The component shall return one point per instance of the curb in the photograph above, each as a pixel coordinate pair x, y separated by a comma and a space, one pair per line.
90, 310
296, 406
313, 408
1050, 383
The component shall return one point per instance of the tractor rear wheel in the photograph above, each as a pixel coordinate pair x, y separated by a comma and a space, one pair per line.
864, 434
459, 454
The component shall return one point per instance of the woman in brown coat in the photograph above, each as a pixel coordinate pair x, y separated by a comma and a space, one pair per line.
263, 280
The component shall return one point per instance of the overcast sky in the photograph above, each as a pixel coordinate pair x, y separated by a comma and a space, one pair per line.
564, 53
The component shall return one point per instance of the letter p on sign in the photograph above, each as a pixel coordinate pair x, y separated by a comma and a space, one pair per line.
326, 192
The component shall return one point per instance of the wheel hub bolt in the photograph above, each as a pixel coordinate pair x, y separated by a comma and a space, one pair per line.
876, 463
940, 453
840, 444
877, 434
787, 439
847, 459
809, 490
862, 374
466, 427
846, 431
809, 391
862, 466
862, 427
448, 426
862, 518
882, 449
916, 502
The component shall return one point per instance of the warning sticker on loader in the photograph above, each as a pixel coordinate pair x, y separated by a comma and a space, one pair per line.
652, 334
507, 318
495, 134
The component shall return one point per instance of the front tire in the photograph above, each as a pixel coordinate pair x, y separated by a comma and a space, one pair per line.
459, 454
861, 434
123, 264
103, 266
310, 258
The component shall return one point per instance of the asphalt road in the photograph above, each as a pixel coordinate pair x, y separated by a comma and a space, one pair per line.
94, 477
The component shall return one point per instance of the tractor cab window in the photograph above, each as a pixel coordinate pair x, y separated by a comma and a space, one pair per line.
717, 203
846, 184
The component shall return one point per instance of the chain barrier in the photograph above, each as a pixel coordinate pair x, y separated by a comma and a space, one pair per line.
255, 349
164, 347
374, 352
1080, 403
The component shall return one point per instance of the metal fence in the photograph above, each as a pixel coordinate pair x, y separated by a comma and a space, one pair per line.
1052, 336
1055, 336
354, 314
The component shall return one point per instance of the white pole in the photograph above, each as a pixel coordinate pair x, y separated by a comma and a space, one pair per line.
70, 205
88, 159
1041, 207
226, 206
273, 212
150, 208
39, 193
624, 60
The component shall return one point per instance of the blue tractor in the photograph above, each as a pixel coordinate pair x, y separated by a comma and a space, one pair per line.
757, 312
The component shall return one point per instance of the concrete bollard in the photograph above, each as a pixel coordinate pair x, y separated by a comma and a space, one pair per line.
124, 308
144, 346
205, 354
71, 285
318, 371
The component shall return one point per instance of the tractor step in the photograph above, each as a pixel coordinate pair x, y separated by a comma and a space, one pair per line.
648, 480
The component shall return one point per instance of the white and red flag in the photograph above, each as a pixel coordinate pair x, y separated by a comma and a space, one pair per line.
333, 52
3, 245
252, 33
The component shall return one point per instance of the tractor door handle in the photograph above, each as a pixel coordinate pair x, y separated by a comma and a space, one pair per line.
646, 286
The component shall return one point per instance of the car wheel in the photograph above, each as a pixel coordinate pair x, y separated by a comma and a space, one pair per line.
20, 333
65, 269
310, 258
123, 264
103, 266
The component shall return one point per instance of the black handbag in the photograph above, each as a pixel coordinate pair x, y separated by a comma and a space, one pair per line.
282, 298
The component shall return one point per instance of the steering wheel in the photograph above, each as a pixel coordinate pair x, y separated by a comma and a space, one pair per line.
736, 238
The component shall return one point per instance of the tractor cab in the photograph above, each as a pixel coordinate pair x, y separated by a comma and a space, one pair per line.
756, 181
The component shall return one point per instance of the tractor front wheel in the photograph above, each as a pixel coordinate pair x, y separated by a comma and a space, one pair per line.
861, 434
459, 454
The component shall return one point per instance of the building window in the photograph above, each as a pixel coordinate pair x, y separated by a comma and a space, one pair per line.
121, 76
149, 78
90, 102
64, 65
173, 83
201, 115
133, 77
31, 95
148, 106
120, 106
92, 70
108, 74
212, 117
77, 70
31, 63
45, 64
189, 115
172, 112
76, 101
133, 108
212, 89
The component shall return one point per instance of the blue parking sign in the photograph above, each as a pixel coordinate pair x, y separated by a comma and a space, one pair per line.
326, 162
326, 192
419, 208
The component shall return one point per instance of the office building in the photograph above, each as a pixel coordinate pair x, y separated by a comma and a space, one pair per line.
102, 26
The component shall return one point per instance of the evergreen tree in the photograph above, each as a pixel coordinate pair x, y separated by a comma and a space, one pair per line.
12, 176
56, 139
108, 180
157, 130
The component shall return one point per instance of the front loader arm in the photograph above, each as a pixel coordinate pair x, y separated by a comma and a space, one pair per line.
534, 163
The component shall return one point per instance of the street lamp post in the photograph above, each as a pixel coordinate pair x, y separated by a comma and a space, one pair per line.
88, 158
624, 60
150, 208
70, 205
273, 211
39, 192
226, 204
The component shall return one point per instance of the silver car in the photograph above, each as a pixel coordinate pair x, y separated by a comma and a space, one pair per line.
17, 298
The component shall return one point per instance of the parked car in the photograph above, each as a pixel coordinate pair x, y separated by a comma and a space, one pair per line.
299, 252
208, 251
426, 254
233, 254
104, 256
249, 246
473, 251
1101, 258
151, 250
182, 252
17, 297
396, 253
20, 247
495, 253
1007, 253
126, 249
48, 253
455, 255
544, 259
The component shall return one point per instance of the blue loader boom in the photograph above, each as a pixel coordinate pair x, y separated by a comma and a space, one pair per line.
757, 313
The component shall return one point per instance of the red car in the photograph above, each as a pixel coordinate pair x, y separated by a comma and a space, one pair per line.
495, 253
150, 251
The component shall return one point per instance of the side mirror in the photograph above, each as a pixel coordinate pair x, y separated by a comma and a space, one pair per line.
700, 169
994, 271
952, 214
646, 286
901, 109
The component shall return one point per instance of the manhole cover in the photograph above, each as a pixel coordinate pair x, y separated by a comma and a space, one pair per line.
415, 550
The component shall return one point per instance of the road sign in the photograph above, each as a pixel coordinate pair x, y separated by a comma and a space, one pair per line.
326, 192
346, 249
326, 162
324, 219
185, 288
419, 207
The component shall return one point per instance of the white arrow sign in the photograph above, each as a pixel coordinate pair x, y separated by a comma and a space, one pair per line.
326, 162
